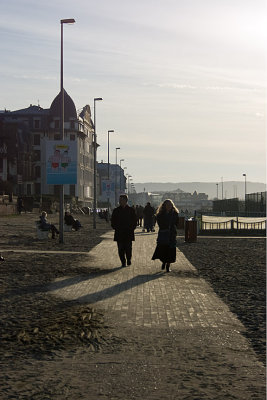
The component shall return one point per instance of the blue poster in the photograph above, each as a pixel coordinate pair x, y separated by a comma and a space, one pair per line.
61, 162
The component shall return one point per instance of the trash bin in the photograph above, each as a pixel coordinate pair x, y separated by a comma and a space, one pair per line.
181, 223
191, 231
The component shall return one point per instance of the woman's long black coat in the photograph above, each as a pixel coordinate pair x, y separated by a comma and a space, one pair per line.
166, 253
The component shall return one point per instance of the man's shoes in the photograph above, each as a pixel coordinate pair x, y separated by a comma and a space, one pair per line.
168, 267
123, 265
129, 262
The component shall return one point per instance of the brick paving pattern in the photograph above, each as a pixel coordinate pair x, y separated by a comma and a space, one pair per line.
142, 294
181, 340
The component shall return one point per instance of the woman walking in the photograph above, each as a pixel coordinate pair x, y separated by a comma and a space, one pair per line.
167, 219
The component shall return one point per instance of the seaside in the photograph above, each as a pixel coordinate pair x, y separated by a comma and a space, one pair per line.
38, 328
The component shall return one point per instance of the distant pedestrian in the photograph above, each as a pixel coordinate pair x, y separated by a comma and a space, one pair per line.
124, 220
1, 257
20, 205
148, 217
167, 219
140, 215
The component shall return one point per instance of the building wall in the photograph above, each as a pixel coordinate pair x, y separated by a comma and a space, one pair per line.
30, 128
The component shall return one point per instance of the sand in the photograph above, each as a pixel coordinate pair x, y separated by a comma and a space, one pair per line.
44, 339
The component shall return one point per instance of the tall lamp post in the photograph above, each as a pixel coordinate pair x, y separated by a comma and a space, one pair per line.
108, 168
129, 176
95, 144
217, 191
245, 176
117, 148
61, 202
120, 172
125, 180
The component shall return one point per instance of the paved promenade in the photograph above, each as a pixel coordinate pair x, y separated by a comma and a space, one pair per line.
181, 340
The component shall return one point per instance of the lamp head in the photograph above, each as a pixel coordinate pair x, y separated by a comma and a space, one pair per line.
67, 21
98, 98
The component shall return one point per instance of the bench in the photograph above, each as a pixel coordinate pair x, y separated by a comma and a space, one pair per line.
41, 233
67, 228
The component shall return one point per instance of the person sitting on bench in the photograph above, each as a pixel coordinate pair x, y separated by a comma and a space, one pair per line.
46, 226
69, 220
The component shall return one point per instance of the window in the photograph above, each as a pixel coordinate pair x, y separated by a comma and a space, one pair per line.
36, 140
29, 189
37, 155
72, 124
37, 188
36, 123
37, 171
57, 136
57, 124
72, 137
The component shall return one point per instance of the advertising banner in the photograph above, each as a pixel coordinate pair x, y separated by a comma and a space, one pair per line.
61, 162
108, 188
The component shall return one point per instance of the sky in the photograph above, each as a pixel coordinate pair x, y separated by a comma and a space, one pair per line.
183, 82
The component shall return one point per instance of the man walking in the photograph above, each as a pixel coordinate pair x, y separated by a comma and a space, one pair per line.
124, 221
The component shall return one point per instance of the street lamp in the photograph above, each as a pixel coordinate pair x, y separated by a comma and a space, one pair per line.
95, 144
125, 186
117, 148
108, 168
217, 184
120, 172
222, 187
61, 200
129, 176
108, 151
245, 175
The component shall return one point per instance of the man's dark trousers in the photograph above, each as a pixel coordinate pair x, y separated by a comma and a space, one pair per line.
125, 249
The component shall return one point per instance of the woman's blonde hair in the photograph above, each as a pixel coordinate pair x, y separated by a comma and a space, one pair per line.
162, 207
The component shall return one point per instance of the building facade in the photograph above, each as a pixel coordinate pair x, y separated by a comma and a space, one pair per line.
110, 189
23, 137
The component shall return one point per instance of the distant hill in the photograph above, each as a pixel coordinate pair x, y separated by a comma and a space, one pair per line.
230, 188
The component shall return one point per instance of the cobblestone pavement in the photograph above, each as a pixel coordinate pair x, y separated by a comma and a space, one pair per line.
181, 340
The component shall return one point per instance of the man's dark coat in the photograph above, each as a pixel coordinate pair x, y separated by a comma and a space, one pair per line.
124, 221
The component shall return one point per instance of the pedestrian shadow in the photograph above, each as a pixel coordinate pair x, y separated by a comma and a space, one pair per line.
57, 285
117, 289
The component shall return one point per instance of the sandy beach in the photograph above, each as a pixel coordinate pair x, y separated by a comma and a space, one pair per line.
37, 328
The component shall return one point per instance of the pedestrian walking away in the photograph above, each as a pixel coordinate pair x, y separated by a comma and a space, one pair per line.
140, 215
123, 221
148, 217
167, 218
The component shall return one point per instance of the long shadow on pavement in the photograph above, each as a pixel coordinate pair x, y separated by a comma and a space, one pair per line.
117, 289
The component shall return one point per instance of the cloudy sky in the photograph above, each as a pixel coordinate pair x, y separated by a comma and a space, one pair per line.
183, 82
